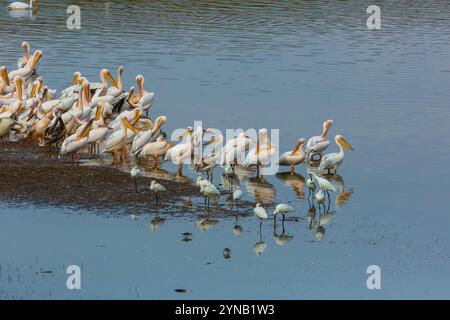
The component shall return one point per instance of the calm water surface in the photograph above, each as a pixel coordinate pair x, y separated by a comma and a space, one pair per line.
274, 64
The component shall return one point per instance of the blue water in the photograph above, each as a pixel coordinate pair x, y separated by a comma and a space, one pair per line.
284, 64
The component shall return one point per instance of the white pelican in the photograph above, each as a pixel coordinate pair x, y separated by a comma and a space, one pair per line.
181, 151
293, 157
282, 209
143, 99
24, 6
76, 141
317, 144
117, 87
234, 150
260, 212
117, 140
101, 95
23, 61
144, 137
136, 173
155, 150
210, 160
75, 86
262, 154
157, 188
28, 70
334, 160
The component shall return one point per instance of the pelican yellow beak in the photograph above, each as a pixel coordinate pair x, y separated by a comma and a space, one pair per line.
18, 83
127, 125
37, 57
345, 144
34, 89
20, 108
111, 79
36, 5
4, 75
137, 116
76, 77
99, 112
86, 130
86, 91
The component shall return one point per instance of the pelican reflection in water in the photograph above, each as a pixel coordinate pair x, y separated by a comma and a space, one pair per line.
295, 181
263, 191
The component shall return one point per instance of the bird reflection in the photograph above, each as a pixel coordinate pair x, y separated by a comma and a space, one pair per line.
237, 229
206, 224
342, 196
156, 222
296, 181
283, 238
320, 233
23, 14
264, 191
260, 246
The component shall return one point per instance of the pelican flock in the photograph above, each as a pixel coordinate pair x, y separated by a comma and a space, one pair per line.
104, 118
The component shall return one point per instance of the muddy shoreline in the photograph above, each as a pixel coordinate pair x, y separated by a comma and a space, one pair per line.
32, 174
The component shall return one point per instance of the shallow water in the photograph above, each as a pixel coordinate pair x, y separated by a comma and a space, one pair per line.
284, 64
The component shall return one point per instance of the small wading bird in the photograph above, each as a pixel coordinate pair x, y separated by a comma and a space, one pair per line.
282, 209
157, 188
135, 174
260, 212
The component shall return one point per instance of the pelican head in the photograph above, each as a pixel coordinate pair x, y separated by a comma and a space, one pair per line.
26, 48
76, 77
159, 122
36, 57
341, 141
120, 70
326, 127
140, 83
105, 74
4, 75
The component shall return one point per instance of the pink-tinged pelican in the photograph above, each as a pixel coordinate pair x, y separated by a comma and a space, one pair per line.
334, 160
143, 99
28, 70
117, 86
146, 136
234, 150
155, 150
318, 144
24, 6
294, 157
262, 154
23, 61
5, 84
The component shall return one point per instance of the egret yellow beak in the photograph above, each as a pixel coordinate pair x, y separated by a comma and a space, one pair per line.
37, 57
345, 144
111, 79
4, 76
